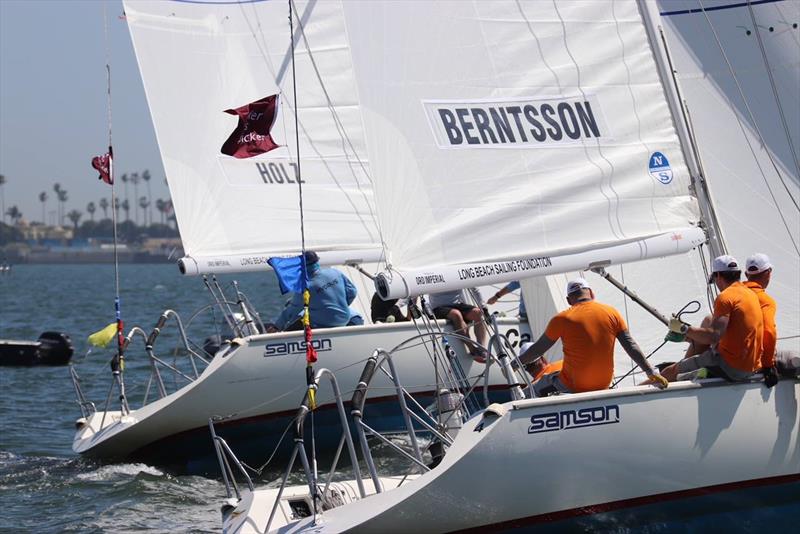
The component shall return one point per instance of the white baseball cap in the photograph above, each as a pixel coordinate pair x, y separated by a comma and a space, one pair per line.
576, 285
723, 264
758, 263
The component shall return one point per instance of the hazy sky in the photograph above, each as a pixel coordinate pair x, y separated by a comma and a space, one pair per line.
53, 111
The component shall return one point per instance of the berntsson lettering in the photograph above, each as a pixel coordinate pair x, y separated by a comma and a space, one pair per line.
518, 123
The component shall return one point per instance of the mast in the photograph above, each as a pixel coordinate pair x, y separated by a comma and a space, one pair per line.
666, 74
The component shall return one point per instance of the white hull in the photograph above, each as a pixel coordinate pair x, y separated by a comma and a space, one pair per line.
245, 384
537, 464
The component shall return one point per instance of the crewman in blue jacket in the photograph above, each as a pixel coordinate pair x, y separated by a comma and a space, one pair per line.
331, 294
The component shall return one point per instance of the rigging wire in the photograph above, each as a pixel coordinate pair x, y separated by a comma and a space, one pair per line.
758, 132
773, 86
339, 124
118, 363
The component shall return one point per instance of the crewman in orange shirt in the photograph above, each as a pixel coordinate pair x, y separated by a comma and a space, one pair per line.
729, 342
540, 366
758, 271
587, 330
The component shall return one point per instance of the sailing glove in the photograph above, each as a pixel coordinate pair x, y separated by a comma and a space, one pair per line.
770, 376
677, 330
658, 381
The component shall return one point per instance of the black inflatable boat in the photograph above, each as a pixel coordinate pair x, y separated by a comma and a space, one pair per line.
52, 348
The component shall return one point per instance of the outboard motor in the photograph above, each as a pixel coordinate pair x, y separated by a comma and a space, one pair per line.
56, 348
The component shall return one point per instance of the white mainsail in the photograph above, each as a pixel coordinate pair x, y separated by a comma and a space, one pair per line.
233, 214
747, 129
504, 132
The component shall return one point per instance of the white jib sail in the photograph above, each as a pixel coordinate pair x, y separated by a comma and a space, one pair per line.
503, 131
749, 158
198, 59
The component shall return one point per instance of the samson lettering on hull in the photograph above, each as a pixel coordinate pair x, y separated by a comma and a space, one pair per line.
515, 123
296, 347
564, 420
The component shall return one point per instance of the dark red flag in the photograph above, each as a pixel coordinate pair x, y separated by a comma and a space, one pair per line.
103, 165
251, 136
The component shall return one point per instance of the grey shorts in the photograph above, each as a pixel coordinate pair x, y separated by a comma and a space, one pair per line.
548, 385
713, 361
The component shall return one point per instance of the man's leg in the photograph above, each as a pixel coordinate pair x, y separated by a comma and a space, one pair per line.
476, 317
697, 348
457, 320
691, 363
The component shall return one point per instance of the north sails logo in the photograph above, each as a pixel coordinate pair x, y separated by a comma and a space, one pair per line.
564, 420
296, 347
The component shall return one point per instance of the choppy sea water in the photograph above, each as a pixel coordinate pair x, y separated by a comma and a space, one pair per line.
44, 486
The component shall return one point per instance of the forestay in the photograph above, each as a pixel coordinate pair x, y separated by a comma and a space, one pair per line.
516, 131
749, 158
200, 58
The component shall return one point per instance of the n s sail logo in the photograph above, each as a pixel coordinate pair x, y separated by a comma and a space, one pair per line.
659, 168
566, 419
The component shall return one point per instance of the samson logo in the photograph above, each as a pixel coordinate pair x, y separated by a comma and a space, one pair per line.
296, 347
516, 123
594, 416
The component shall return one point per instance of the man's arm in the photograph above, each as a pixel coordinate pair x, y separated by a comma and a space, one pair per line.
541, 346
710, 335
350, 290
290, 313
634, 351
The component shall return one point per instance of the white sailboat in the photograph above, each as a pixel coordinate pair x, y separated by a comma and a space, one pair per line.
440, 88
198, 59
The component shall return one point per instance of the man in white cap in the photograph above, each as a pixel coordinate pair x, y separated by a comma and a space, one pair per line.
587, 330
727, 343
758, 271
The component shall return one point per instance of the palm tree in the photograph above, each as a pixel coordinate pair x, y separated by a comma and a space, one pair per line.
57, 190
160, 208
104, 207
2, 196
91, 208
144, 204
14, 214
135, 180
148, 214
74, 216
125, 181
169, 211
43, 200
116, 207
126, 206
62, 198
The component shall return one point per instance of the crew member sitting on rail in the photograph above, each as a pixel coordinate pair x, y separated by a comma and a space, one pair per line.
452, 305
329, 305
587, 330
388, 311
758, 271
729, 342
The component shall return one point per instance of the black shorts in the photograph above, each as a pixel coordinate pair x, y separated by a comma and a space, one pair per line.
441, 311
